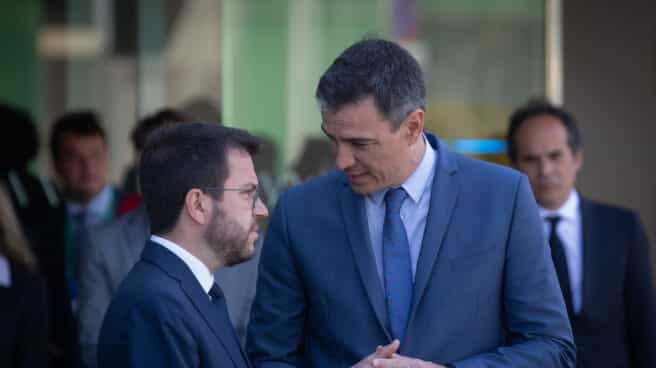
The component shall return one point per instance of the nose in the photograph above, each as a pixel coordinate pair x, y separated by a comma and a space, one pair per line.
546, 167
343, 157
261, 210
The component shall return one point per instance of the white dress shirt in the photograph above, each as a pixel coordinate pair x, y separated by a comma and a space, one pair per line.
569, 231
198, 268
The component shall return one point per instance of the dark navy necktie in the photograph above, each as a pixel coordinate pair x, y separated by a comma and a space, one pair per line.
397, 269
218, 299
560, 263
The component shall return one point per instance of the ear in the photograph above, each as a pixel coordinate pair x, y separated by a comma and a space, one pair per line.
578, 159
414, 125
198, 206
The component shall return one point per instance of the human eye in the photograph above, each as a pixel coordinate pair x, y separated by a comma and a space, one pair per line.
361, 143
250, 190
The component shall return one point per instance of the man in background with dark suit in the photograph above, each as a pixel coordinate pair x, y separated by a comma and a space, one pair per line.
600, 252
201, 193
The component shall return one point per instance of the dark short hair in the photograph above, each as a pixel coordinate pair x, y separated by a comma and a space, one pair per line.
537, 107
378, 68
19, 142
84, 123
180, 157
151, 122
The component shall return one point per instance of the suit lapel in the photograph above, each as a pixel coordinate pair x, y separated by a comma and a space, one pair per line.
220, 325
442, 203
355, 223
591, 256
444, 194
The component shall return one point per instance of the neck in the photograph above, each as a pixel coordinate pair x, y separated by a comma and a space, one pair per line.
196, 246
82, 198
417, 150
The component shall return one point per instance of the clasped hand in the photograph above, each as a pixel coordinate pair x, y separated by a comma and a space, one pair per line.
386, 357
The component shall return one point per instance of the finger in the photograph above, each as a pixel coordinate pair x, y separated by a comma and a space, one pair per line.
388, 350
386, 363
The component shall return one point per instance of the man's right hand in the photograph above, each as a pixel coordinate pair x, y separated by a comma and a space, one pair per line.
383, 352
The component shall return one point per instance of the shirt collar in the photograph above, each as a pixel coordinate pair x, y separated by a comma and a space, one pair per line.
198, 268
567, 211
96, 207
416, 183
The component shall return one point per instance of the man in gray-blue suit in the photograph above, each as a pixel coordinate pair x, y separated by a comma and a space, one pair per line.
201, 192
408, 255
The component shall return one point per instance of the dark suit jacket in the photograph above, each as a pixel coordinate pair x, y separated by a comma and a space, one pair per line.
617, 323
23, 321
43, 217
111, 251
485, 289
161, 317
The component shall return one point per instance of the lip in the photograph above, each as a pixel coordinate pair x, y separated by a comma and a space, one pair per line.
356, 177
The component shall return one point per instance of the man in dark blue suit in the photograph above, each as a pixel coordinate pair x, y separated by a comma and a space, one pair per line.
600, 252
201, 193
408, 255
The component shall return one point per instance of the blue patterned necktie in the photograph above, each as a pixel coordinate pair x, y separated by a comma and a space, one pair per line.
397, 269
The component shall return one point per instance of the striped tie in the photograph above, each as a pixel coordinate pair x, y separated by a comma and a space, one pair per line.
397, 269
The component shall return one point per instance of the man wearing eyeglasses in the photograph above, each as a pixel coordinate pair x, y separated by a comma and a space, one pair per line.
200, 191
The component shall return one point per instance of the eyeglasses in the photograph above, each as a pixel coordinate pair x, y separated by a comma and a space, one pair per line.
251, 190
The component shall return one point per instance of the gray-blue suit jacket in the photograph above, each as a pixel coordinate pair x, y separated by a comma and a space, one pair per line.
485, 291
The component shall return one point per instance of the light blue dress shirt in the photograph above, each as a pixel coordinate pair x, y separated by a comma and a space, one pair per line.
413, 211
97, 210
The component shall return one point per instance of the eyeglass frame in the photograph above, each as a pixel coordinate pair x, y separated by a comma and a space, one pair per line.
254, 188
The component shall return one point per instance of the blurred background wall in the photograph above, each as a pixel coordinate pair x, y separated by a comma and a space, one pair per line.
255, 64
610, 86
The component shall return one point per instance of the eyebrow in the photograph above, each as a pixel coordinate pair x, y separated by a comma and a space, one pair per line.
348, 139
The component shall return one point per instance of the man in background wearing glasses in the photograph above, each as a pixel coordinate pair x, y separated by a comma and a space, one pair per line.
200, 191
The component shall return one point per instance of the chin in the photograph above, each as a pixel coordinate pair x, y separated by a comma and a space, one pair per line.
364, 189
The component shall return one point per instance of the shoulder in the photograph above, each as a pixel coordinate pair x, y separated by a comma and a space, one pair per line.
475, 167
149, 289
608, 212
485, 181
318, 190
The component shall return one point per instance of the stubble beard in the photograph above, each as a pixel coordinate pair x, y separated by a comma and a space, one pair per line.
228, 239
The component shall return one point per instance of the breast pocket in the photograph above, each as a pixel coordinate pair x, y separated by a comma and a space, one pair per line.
475, 280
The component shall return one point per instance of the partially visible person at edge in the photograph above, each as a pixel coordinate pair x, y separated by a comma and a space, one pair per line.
600, 252
23, 304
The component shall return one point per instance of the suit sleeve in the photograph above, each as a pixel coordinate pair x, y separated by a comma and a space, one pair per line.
94, 298
535, 316
278, 312
640, 300
156, 336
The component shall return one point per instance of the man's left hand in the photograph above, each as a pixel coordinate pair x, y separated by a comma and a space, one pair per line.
399, 361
